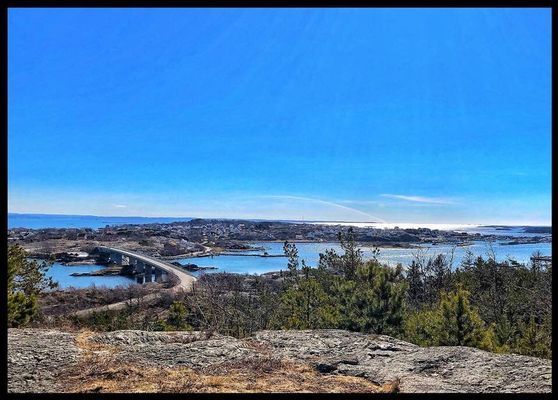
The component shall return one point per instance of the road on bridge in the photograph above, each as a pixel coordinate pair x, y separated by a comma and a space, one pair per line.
186, 281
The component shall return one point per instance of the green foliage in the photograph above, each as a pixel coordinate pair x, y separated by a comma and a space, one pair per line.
291, 252
306, 306
535, 339
513, 301
176, 320
366, 297
330, 262
516, 300
415, 292
157, 326
109, 320
438, 278
496, 306
21, 309
460, 324
352, 257
453, 322
26, 281
422, 327
373, 301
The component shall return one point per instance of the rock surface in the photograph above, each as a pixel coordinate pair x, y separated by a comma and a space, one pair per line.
41, 360
35, 358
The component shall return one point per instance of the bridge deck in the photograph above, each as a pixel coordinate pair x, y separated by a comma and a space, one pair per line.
186, 279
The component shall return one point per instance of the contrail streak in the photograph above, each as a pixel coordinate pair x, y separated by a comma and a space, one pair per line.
329, 203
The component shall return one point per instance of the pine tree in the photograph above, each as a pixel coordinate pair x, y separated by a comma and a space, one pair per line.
307, 306
438, 278
352, 256
291, 252
414, 277
535, 339
373, 301
176, 320
460, 324
452, 322
26, 281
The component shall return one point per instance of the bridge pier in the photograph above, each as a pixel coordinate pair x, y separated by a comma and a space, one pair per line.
158, 275
116, 258
140, 267
148, 272
103, 258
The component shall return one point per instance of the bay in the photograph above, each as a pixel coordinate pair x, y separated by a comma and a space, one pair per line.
62, 274
246, 263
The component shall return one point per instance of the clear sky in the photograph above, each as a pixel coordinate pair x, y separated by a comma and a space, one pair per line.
395, 115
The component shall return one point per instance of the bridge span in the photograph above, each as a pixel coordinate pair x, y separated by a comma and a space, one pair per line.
142, 262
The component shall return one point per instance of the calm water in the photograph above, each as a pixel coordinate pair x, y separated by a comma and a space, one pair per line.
258, 265
307, 251
61, 274
39, 221
310, 253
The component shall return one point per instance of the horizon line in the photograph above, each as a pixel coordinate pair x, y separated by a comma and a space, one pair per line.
281, 220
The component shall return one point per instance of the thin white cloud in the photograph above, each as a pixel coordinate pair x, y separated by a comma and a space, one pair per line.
419, 199
328, 203
119, 206
360, 202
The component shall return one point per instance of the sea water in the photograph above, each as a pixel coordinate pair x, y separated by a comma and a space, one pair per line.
309, 252
40, 221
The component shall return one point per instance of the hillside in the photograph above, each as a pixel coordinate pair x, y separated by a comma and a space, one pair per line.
270, 361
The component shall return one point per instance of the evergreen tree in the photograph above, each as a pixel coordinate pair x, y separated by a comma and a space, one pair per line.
535, 339
422, 327
176, 319
373, 301
26, 281
330, 262
291, 252
460, 324
437, 278
453, 322
307, 306
352, 256
415, 293
304, 302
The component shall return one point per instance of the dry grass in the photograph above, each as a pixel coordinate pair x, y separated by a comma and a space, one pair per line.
99, 371
90, 347
114, 377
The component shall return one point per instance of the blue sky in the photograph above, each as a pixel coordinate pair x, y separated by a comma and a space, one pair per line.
395, 115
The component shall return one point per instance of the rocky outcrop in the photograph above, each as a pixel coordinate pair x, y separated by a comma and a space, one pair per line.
35, 358
46, 360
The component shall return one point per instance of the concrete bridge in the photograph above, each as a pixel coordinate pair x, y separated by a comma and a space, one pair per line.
148, 265
143, 264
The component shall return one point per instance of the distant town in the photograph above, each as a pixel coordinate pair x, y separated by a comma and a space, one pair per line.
202, 237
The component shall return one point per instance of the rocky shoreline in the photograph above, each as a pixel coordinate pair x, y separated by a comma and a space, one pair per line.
107, 271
